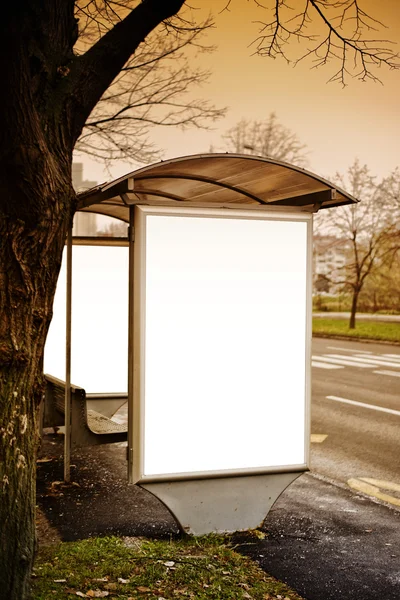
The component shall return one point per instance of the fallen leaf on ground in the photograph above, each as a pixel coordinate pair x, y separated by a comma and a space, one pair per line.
143, 588
169, 563
121, 580
111, 586
59, 580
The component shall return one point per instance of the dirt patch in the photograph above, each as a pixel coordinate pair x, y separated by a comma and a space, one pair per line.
46, 534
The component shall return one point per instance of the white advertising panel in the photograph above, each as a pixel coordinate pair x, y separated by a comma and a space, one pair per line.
223, 337
99, 348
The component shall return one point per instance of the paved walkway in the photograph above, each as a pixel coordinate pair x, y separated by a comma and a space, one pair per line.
327, 542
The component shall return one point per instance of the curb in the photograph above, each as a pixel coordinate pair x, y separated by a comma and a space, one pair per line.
356, 339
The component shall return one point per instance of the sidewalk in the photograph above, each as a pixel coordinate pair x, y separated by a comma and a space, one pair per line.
325, 541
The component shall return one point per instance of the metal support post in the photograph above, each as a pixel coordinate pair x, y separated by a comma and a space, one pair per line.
67, 435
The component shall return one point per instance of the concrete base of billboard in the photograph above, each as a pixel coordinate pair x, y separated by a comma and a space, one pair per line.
221, 505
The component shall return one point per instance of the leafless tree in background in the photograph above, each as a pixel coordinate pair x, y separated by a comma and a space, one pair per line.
51, 88
151, 89
267, 138
370, 227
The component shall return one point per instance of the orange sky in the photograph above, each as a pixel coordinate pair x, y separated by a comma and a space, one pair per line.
337, 125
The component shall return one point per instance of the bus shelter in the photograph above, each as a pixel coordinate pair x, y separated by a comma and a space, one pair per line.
217, 354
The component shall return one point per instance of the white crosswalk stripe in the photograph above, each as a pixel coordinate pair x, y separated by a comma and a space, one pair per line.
390, 373
322, 365
347, 362
380, 357
367, 360
360, 359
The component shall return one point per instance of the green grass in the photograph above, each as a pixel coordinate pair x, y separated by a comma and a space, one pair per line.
135, 568
372, 330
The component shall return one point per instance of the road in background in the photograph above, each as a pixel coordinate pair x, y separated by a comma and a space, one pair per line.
356, 404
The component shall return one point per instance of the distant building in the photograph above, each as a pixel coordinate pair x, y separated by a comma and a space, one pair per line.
85, 224
330, 255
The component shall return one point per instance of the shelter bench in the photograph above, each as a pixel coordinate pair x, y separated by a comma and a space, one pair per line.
91, 414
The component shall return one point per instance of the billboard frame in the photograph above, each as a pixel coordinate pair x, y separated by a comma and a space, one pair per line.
136, 413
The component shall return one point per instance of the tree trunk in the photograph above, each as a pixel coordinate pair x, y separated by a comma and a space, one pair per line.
352, 323
48, 94
30, 256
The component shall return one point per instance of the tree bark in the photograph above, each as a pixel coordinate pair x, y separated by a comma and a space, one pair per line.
30, 257
36, 205
352, 323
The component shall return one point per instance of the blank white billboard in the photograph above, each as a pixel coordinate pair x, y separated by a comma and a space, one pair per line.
224, 342
99, 347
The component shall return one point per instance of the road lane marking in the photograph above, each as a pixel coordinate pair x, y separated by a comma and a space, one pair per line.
392, 373
380, 357
397, 356
371, 487
366, 360
321, 365
376, 357
345, 362
364, 405
318, 438
349, 350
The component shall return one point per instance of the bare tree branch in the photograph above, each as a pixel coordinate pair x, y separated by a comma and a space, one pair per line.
93, 72
327, 31
151, 88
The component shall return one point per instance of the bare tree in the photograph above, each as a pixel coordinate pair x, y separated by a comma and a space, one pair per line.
150, 90
267, 138
369, 227
337, 32
52, 85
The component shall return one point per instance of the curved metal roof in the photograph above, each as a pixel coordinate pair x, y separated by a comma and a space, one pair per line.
214, 180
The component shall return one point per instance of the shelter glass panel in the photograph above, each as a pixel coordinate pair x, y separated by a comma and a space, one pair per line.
224, 337
99, 347
87, 224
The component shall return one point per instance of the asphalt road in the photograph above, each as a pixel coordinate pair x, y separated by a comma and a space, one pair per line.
356, 404
335, 532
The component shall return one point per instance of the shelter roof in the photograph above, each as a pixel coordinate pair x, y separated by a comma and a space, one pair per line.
214, 180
